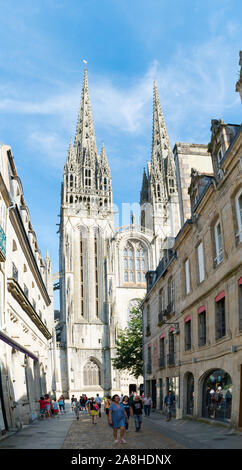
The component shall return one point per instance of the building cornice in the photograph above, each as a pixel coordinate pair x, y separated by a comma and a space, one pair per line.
19, 228
17, 292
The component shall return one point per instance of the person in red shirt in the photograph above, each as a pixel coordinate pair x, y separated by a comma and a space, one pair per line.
42, 407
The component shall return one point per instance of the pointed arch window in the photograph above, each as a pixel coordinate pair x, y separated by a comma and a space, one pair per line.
105, 184
91, 374
134, 263
172, 185
88, 176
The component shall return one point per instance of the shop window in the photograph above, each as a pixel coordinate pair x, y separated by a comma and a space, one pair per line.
217, 395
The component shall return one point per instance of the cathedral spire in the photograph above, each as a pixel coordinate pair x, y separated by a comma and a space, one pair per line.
103, 158
85, 132
160, 140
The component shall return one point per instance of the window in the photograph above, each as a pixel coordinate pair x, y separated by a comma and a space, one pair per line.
92, 374
238, 204
161, 300
240, 304
200, 262
148, 320
81, 278
220, 156
172, 185
88, 177
218, 243
220, 318
26, 290
202, 328
96, 273
134, 263
171, 355
188, 335
170, 294
187, 275
14, 272
149, 361
162, 352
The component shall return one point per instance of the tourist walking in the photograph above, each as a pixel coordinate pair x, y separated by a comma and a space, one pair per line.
41, 402
82, 403
77, 408
73, 401
61, 404
98, 400
169, 401
147, 404
136, 412
48, 405
93, 410
126, 404
117, 419
107, 404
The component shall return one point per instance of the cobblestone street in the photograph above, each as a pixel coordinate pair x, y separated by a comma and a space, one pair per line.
66, 432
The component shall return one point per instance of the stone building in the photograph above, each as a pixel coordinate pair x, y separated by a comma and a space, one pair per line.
26, 307
193, 308
102, 268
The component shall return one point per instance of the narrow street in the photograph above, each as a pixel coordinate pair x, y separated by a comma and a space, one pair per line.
66, 432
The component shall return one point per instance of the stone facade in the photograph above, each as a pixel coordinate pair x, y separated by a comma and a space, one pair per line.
27, 339
199, 337
102, 268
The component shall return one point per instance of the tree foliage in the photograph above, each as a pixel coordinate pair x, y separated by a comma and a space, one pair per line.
129, 345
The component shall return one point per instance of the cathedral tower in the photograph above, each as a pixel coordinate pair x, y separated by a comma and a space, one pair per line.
85, 226
159, 196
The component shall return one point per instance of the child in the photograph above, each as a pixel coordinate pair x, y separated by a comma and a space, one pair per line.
56, 408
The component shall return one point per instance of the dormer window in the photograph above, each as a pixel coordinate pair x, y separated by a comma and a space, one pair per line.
220, 156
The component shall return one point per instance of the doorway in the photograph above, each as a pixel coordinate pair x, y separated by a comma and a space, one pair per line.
153, 393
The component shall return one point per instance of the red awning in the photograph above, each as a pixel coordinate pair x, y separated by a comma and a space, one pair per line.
240, 281
201, 309
149, 345
188, 318
171, 329
162, 336
220, 296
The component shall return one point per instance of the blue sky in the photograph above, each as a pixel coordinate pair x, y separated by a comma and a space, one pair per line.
191, 48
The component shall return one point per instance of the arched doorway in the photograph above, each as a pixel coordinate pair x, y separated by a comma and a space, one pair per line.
217, 395
190, 393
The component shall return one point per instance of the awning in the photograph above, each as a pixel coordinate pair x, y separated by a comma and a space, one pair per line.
240, 281
201, 309
17, 346
188, 318
220, 296
162, 336
171, 329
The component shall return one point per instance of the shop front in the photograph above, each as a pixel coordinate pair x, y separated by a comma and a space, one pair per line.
172, 383
217, 395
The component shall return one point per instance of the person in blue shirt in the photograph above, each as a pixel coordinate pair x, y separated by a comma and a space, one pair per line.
117, 418
169, 400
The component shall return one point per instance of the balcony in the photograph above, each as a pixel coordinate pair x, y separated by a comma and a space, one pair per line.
161, 362
2, 245
148, 368
171, 359
148, 330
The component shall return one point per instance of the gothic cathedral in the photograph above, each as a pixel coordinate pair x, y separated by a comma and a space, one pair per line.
102, 267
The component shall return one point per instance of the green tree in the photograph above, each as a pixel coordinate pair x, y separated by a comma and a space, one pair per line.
129, 345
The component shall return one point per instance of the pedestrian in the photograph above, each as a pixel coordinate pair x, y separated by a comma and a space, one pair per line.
63, 398
126, 404
77, 408
136, 412
107, 404
169, 400
73, 400
98, 400
117, 418
56, 408
47, 405
93, 410
147, 404
42, 407
61, 404
83, 402
121, 398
